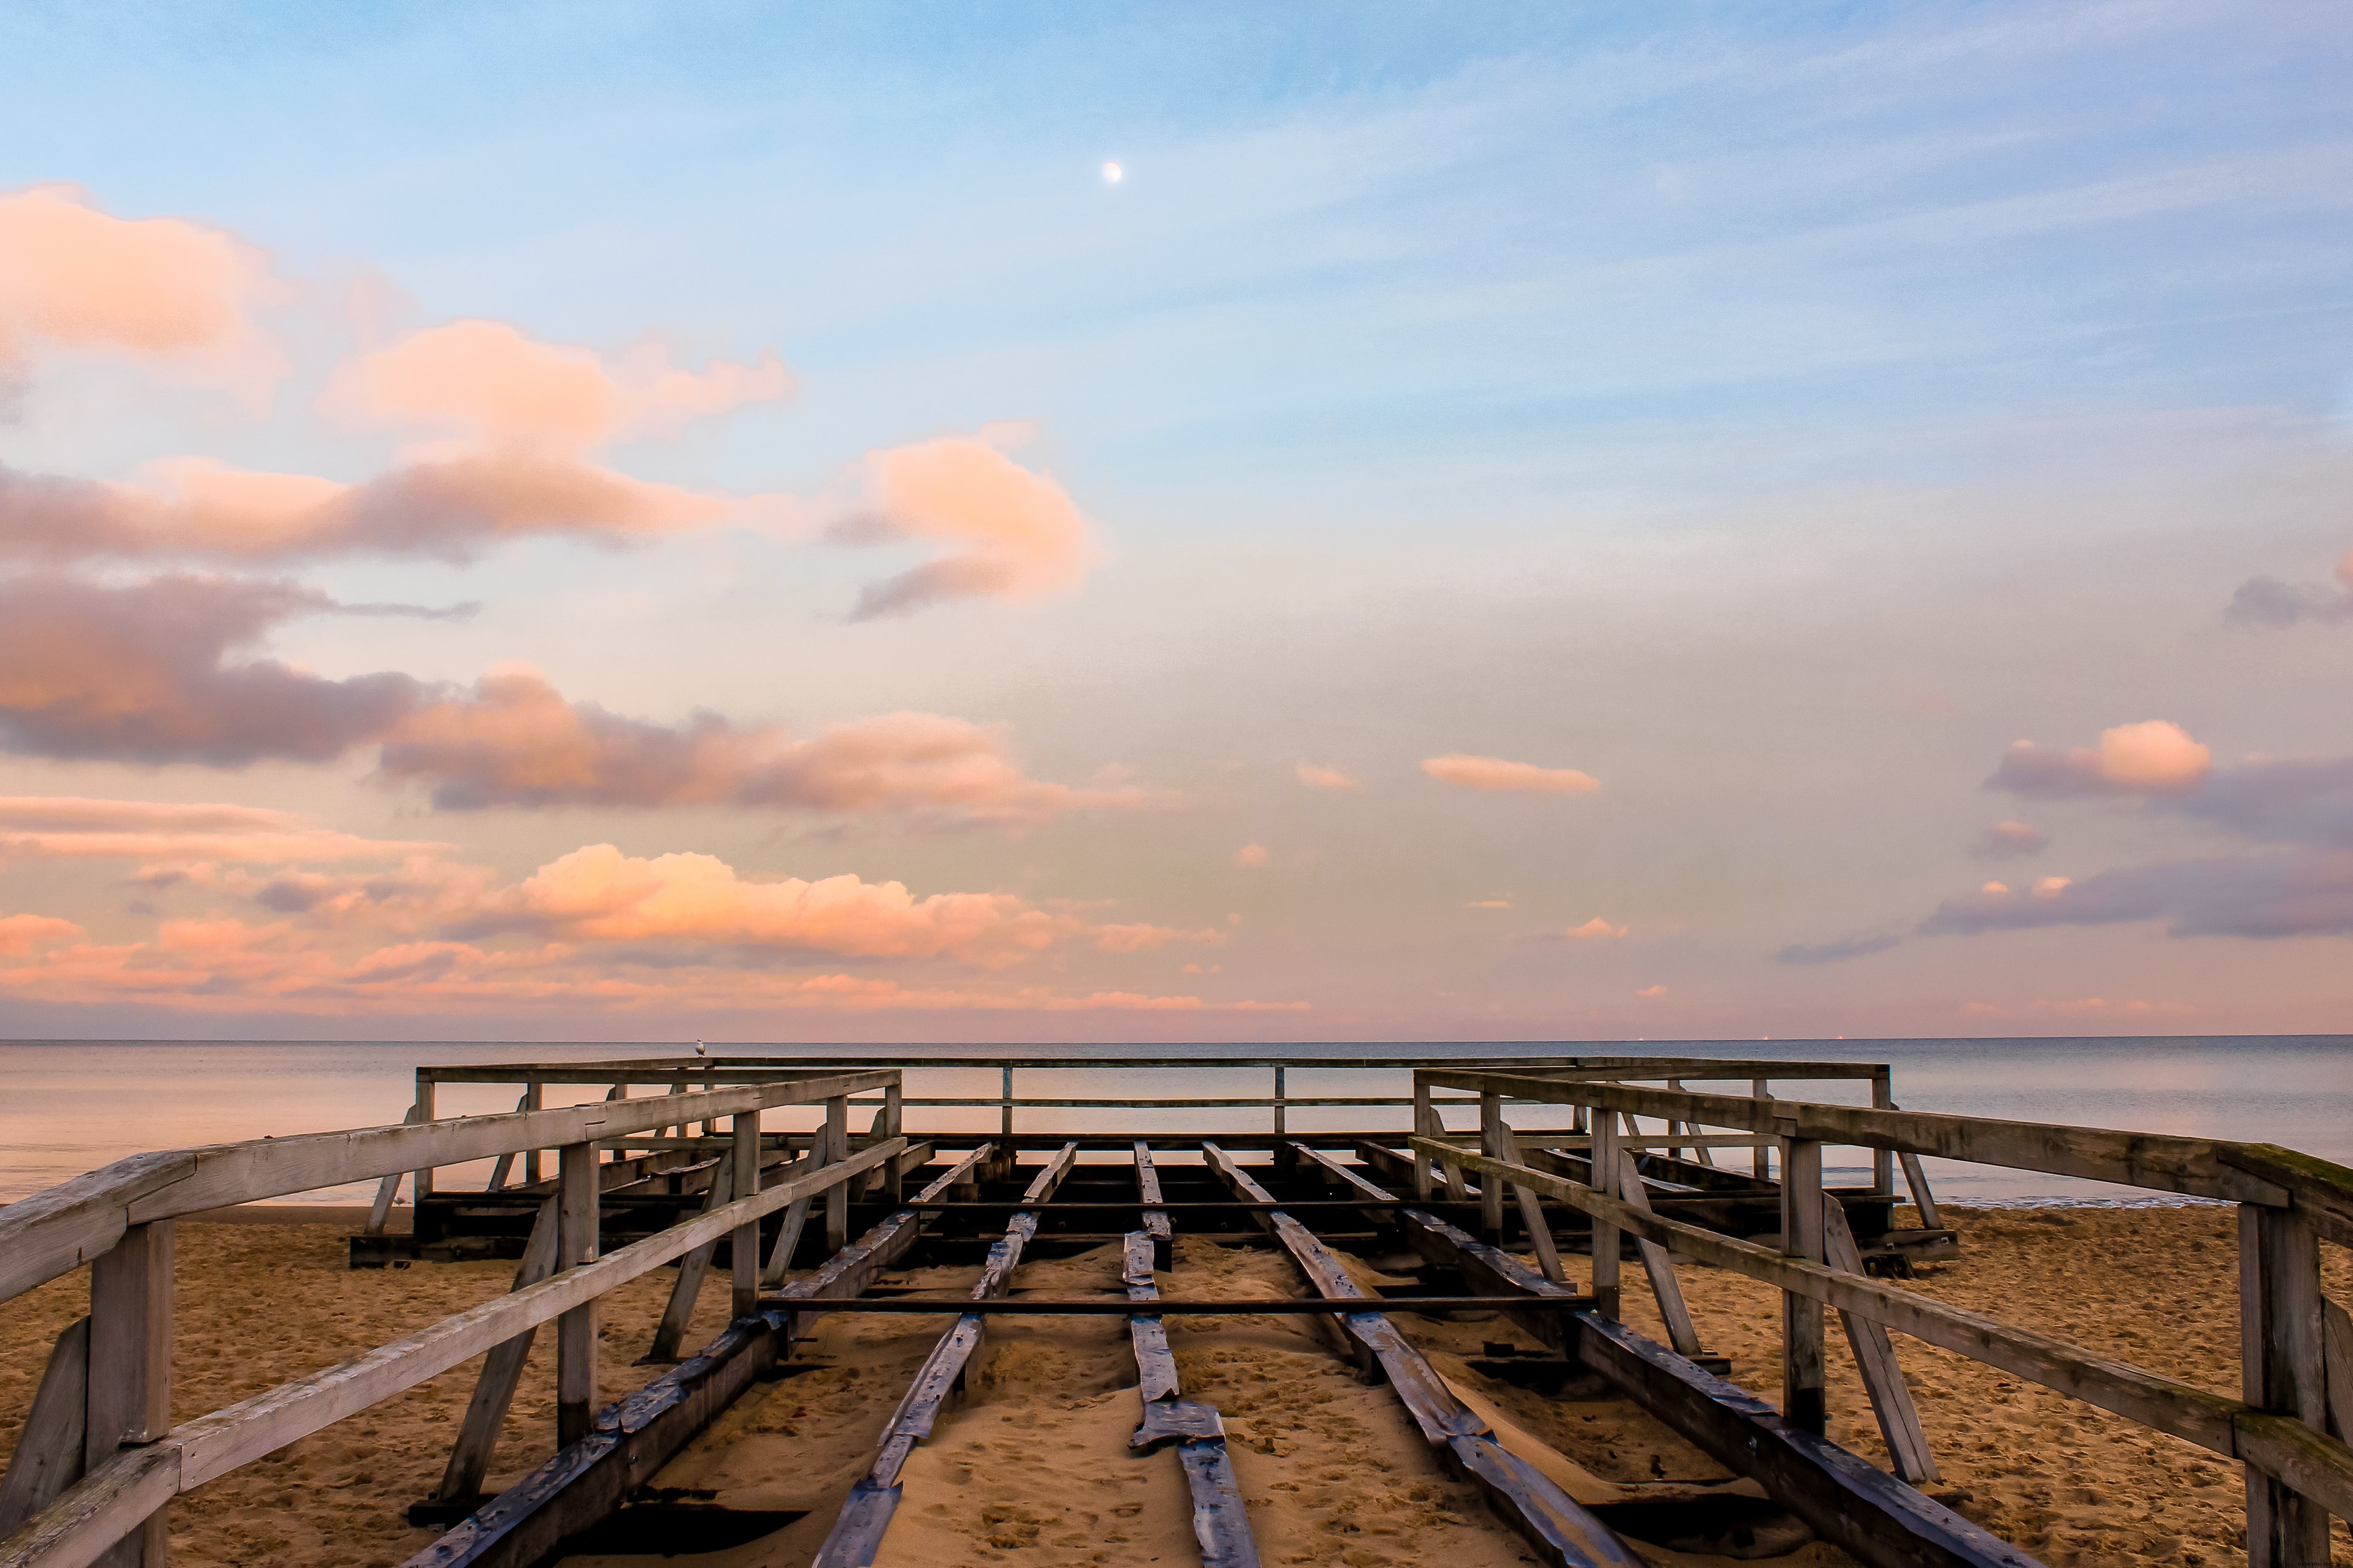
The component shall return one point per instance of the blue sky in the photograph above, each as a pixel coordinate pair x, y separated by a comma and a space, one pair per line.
1773, 414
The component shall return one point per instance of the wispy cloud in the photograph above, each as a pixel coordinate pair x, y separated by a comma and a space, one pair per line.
1497, 775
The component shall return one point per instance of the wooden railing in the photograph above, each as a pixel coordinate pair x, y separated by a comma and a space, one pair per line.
2297, 1361
99, 1459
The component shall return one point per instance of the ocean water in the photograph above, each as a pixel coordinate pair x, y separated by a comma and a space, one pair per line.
67, 1106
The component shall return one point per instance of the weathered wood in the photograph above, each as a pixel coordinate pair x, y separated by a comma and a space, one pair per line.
1539, 1229
129, 1378
420, 1181
743, 1248
506, 1166
1607, 1174
1522, 1496
48, 1454
1156, 1220
486, 1412
386, 1190
1874, 1358
1043, 1189
1761, 1159
1491, 1193
99, 1511
1220, 1519
2189, 1166
1850, 1503
1658, 1265
575, 1331
2314, 1463
1425, 1125
678, 1312
2336, 1359
2284, 1373
836, 1199
1804, 1380
893, 1126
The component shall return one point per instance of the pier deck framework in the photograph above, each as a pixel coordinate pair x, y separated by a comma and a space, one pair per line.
811, 1182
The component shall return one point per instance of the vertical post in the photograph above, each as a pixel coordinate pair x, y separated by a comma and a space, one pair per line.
1425, 1125
130, 1395
1491, 1143
575, 1331
743, 1248
534, 1098
894, 1111
1605, 1237
1802, 1399
1284, 1157
837, 1147
1005, 1112
1761, 1157
420, 1182
2283, 1371
1883, 1162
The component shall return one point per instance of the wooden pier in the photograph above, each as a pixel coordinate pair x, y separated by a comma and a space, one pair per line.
812, 1183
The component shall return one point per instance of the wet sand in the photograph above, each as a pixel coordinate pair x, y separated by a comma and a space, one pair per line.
1033, 1467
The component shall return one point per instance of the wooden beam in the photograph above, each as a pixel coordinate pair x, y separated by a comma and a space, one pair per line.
1874, 1358
486, 1412
2314, 1463
1156, 1220
1220, 1519
678, 1312
84, 1524
743, 1247
836, 1148
48, 1454
2284, 1372
130, 1382
2190, 1165
1658, 1265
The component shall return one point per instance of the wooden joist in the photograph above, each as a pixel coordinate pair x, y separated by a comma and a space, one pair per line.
866, 1513
1156, 1220
478, 1435
1531, 1502
1220, 1519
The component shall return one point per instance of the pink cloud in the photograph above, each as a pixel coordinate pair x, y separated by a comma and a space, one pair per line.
1002, 530
491, 386
1497, 774
1315, 777
2009, 841
19, 934
1488, 904
515, 740
77, 827
1651, 990
2153, 758
75, 278
1250, 855
1595, 930
1153, 938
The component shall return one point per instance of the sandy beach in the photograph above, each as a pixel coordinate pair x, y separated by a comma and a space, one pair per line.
1033, 1467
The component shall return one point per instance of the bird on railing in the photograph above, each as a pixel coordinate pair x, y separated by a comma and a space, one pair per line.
700, 1049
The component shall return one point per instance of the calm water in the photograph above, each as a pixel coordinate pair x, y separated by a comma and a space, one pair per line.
69, 1107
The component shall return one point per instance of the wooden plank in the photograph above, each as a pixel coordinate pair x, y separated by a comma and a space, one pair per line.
386, 1190
836, 1199
1804, 1375
1874, 1358
2190, 1165
2337, 1359
84, 1524
1491, 1196
1156, 1220
743, 1249
2323, 1190
486, 1412
1532, 1216
2315, 1463
1607, 1173
1554, 1524
1658, 1265
576, 1329
48, 1454
1853, 1505
678, 1312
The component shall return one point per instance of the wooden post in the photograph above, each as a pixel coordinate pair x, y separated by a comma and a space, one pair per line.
894, 1113
1491, 1143
1760, 1158
837, 1147
678, 1313
575, 1331
1532, 1216
420, 1184
389, 1188
534, 1098
1605, 1237
1425, 1125
130, 1398
1005, 1114
743, 1247
505, 1165
1882, 1163
48, 1454
2283, 1371
486, 1413
1802, 1400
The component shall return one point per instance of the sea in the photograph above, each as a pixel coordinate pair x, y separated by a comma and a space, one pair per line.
71, 1106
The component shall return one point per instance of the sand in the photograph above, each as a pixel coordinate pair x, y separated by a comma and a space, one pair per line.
1032, 1467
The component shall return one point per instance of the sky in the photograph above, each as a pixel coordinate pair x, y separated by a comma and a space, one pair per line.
1024, 522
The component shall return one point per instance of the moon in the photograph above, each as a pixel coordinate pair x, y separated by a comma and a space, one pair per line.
1113, 173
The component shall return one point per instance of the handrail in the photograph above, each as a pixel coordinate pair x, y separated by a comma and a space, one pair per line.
53, 1232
